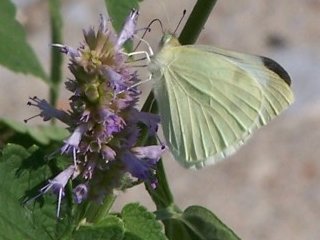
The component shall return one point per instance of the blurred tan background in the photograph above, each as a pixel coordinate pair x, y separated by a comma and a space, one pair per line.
270, 189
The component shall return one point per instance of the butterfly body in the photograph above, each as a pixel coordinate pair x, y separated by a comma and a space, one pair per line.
211, 100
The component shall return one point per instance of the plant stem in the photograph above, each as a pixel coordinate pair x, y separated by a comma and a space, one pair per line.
56, 56
196, 21
95, 211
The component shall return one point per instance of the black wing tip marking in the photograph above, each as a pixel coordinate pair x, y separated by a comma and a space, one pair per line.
275, 67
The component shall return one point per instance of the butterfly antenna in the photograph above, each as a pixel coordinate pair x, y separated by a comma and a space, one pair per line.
183, 15
148, 29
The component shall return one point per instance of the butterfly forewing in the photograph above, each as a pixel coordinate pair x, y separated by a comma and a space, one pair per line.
211, 100
272, 78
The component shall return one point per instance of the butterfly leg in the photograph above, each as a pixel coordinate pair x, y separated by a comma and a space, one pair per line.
136, 84
147, 55
141, 82
148, 46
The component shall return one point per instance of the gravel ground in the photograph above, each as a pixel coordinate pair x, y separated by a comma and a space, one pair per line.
270, 189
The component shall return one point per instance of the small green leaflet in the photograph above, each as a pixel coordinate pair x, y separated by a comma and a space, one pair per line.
20, 171
15, 52
133, 223
42, 134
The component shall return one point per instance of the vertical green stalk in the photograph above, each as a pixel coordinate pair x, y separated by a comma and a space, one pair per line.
95, 212
196, 21
162, 195
56, 56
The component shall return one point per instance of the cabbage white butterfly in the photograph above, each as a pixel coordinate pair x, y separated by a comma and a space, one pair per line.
211, 100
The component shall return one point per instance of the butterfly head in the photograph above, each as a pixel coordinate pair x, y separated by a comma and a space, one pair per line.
168, 39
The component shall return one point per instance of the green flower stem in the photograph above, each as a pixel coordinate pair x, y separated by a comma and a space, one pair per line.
56, 56
168, 213
95, 212
162, 195
196, 21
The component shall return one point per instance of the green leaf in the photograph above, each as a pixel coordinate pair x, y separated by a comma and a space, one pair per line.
43, 134
141, 224
15, 52
199, 223
175, 229
111, 227
118, 10
21, 170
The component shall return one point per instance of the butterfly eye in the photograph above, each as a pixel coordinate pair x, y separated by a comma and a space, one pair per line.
165, 39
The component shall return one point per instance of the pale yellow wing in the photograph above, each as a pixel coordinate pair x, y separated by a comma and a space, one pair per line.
210, 100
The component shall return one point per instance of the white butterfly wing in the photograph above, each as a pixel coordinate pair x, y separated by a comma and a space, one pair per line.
210, 100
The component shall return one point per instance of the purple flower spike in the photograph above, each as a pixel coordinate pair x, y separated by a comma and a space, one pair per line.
72, 85
112, 122
151, 120
141, 169
152, 152
74, 140
115, 79
141, 161
47, 111
72, 143
57, 185
72, 53
103, 120
128, 29
80, 193
103, 26
108, 153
